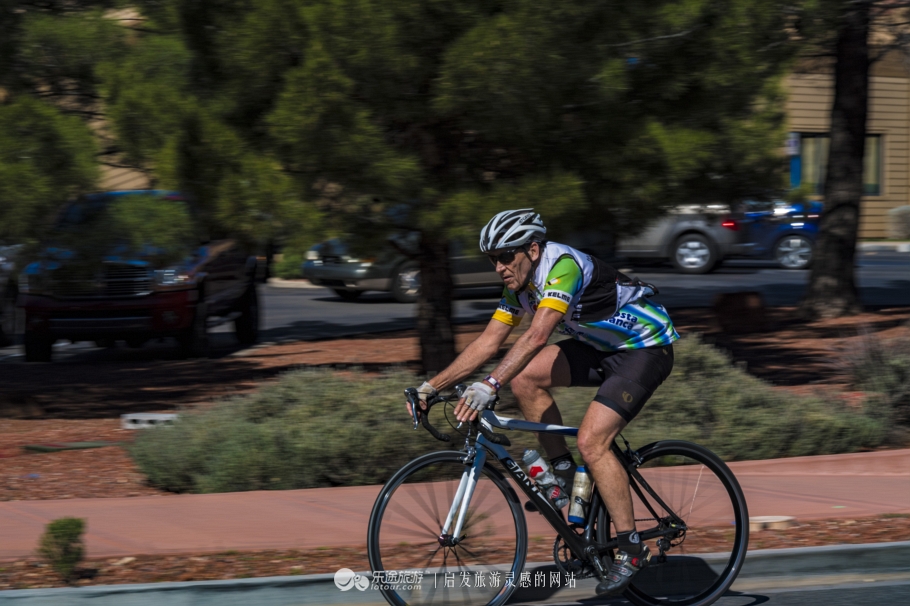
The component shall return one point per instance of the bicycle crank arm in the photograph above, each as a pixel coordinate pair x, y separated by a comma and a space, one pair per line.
663, 534
594, 558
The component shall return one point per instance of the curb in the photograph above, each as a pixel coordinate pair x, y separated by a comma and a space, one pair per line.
280, 283
769, 564
883, 246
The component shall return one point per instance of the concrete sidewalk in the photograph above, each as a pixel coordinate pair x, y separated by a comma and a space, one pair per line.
842, 486
879, 245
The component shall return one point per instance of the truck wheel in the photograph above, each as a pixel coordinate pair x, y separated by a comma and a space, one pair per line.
135, 342
246, 326
693, 254
194, 342
38, 348
348, 295
406, 282
8, 315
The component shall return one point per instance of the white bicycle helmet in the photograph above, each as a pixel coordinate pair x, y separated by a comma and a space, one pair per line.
512, 228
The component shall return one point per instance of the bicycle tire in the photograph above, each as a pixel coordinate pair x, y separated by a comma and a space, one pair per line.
424, 488
697, 574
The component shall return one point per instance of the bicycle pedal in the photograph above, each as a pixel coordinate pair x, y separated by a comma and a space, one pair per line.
529, 506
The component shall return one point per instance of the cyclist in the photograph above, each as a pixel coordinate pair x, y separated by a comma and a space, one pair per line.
622, 343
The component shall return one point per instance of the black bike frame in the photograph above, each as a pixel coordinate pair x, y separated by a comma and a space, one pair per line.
577, 543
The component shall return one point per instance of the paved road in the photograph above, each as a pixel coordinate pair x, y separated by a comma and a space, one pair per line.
884, 280
314, 313
890, 592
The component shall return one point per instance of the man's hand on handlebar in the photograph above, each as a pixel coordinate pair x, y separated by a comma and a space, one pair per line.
424, 392
477, 398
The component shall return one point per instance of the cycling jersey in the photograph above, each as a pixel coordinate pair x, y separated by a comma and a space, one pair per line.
601, 306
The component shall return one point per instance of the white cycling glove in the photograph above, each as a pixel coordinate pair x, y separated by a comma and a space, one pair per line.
426, 391
479, 396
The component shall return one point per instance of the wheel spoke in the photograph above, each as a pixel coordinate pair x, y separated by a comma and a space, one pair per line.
693, 484
488, 542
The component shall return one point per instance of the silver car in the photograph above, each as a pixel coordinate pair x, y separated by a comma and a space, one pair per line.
331, 264
695, 238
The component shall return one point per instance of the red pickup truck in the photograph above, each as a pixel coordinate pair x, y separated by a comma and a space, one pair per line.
134, 294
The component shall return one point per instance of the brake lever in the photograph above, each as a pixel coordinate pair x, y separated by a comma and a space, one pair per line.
459, 391
413, 399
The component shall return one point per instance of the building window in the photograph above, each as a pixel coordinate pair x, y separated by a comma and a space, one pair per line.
809, 163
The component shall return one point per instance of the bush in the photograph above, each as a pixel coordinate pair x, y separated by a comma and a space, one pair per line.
311, 428
61, 546
289, 267
316, 427
882, 367
899, 223
708, 400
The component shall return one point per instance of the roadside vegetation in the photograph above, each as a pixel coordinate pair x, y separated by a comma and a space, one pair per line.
882, 367
318, 427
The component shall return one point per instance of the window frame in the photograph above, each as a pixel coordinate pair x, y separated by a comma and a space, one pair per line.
798, 168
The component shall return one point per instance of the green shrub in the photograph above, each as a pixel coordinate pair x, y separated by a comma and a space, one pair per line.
316, 427
311, 428
882, 367
61, 546
899, 223
290, 265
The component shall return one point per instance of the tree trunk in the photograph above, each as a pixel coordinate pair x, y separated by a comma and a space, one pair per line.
832, 289
434, 306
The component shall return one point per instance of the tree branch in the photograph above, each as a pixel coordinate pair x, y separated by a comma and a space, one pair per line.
642, 40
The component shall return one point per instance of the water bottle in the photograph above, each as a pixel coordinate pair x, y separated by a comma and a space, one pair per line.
582, 487
539, 471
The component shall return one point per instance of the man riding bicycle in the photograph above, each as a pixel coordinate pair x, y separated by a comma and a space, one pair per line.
622, 343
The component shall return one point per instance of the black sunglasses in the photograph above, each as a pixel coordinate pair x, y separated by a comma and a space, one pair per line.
505, 257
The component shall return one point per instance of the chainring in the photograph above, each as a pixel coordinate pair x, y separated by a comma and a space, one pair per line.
568, 564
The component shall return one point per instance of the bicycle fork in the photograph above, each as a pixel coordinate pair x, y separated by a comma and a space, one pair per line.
462, 499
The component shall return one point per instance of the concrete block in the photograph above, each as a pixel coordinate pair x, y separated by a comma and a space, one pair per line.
144, 420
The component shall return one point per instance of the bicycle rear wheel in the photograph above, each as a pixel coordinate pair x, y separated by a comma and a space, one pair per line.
414, 565
704, 557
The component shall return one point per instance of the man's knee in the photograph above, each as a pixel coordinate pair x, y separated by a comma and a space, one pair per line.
526, 382
594, 439
592, 445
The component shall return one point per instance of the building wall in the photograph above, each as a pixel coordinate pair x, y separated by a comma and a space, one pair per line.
114, 179
809, 111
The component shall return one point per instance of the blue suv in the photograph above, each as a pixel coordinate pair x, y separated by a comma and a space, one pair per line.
780, 231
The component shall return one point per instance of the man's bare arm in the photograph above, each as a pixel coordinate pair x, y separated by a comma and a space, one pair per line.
474, 355
524, 350
528, 345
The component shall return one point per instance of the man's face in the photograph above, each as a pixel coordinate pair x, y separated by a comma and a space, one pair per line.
514, 265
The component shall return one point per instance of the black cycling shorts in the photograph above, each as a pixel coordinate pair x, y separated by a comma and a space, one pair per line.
627, 378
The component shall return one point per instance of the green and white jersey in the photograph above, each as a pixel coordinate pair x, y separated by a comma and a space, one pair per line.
601, 306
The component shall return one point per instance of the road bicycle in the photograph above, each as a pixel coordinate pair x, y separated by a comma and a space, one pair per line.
449, 523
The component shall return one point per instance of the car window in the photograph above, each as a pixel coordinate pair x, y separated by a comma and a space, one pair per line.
757, 206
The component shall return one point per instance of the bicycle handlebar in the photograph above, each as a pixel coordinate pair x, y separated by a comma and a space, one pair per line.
421, 416
416, 409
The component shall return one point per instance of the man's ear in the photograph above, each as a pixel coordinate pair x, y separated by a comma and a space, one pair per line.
534, 251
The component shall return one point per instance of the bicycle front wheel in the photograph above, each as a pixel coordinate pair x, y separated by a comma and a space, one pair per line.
705, 553
414, 564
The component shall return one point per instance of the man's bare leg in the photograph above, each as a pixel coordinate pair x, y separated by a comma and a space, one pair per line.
531, 387
599, 428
